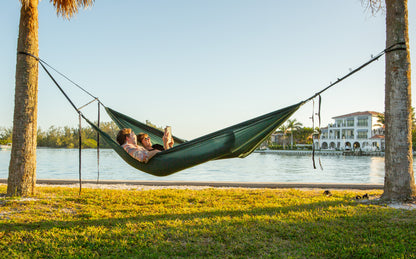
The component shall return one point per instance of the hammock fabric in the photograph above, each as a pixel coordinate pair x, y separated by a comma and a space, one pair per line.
239, 140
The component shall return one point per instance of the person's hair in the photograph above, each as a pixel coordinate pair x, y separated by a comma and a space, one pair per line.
140, 137
121, 136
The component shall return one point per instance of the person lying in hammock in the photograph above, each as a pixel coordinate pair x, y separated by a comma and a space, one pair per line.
146, 142
128, 140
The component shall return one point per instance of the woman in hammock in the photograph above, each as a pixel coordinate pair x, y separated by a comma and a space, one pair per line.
146, 142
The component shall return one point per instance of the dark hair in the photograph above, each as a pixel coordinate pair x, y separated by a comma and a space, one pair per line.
121, 136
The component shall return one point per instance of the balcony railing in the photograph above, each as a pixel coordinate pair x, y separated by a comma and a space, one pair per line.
338, 138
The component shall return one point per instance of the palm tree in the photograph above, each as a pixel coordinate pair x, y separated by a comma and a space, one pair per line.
22, 168
380, 120
399, 183
292, 125
283, 129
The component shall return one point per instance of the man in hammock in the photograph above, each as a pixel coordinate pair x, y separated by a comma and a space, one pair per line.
128, 140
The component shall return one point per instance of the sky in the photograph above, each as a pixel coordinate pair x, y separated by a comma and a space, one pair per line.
200, 66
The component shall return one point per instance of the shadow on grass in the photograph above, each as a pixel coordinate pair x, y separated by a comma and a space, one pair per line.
174, 216
333, 228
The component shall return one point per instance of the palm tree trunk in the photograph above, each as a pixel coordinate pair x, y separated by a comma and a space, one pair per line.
22, 168
291, 140
399, 177
284, 141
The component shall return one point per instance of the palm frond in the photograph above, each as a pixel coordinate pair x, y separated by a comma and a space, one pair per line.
68, 8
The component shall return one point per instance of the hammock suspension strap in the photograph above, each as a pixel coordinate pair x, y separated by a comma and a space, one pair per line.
316, 133
373, 58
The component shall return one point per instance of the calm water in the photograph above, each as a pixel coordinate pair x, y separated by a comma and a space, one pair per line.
63, 164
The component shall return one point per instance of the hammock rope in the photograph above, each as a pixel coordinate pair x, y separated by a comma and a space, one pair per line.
222, 143
393, 47
373, 58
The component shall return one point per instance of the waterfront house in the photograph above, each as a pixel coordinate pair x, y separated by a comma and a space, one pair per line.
279, 138
354, 131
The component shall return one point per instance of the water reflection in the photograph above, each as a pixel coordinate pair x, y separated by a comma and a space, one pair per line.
376, 169
63, 164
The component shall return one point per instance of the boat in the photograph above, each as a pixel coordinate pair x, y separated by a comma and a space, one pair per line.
6, 147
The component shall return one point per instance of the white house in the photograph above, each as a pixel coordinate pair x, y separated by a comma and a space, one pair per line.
359, 130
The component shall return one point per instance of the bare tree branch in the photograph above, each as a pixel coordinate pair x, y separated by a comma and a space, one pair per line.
374, 6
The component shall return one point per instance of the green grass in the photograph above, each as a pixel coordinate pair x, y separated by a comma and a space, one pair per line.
219, 223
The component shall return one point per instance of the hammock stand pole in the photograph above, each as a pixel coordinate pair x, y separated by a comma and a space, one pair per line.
80, 154
76, 109
98, 145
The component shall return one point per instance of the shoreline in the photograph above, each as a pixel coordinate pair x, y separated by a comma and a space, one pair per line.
130, 184
194, 185
321, 152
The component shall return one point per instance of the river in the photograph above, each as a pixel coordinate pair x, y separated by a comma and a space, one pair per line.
63, 164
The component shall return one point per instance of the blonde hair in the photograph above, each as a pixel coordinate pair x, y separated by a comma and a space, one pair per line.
140, 137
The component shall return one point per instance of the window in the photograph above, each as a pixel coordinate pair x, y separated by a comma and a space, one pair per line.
348, 134
363, 122
350, 122
362, 134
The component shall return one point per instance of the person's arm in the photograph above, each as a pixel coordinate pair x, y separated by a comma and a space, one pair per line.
151, 154
167, 140
140, 153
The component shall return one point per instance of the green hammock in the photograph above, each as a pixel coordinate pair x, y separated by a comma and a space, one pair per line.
239, 140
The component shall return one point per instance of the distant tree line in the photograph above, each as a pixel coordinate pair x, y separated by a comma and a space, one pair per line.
66, 137
5, 135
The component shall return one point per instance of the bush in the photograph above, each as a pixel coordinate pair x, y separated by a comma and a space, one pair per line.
275, 147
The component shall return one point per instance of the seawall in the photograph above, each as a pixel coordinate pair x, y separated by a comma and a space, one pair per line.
321, 152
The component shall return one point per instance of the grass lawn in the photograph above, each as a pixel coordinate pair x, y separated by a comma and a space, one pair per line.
219, 223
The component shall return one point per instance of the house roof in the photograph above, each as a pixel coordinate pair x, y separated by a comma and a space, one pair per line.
372, 113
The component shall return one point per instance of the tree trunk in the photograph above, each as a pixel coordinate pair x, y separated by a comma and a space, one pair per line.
22, 168
284, 141
291, 140
399, 184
